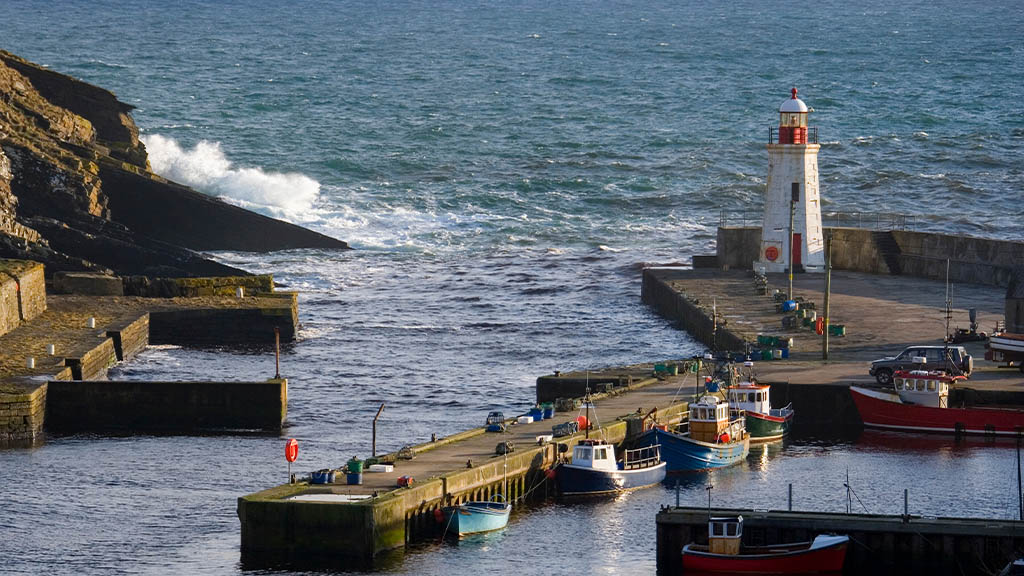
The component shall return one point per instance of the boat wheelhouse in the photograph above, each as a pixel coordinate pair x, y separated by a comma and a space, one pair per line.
725, 553
763, 423
713, 437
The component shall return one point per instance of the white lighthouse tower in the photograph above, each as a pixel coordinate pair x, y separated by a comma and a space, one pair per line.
791, 232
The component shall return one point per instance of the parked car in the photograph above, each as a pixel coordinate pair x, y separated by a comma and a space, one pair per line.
957, 361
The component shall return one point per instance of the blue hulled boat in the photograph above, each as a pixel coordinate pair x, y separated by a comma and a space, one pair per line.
594, 470
475, 517
713, 438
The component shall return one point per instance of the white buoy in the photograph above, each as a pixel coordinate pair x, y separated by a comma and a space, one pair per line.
30, 362
240, 292
51, 349
91, 322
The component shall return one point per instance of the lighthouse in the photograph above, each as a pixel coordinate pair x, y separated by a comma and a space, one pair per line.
791, 232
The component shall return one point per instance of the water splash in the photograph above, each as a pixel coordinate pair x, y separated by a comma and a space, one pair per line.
205, 167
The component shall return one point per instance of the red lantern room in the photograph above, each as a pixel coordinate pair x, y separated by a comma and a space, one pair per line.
793, 121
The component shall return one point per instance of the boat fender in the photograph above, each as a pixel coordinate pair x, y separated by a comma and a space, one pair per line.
724, 438
550, 473
438, 515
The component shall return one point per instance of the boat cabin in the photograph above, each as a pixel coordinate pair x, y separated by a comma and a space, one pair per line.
724, 535
751, 397
924, 388
595, 454
709, 419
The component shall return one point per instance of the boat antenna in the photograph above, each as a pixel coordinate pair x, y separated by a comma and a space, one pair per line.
849, 501
714, 326
949, 305
586, 404
1020, 495
709, 488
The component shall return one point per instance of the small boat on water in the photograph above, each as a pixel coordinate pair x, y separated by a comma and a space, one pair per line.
713, 437
476, 517
920, 401
763, 423
594, 470
725, 553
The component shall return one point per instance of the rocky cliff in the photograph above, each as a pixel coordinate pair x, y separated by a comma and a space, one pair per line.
76, 192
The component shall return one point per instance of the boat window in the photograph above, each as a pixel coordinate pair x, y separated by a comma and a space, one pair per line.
931, 385
920, 385
908, 384
758, 396
601, 454
721, 413
730, 529
716, 529
750, 397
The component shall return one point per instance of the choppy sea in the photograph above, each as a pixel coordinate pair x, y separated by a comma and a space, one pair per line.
503, 171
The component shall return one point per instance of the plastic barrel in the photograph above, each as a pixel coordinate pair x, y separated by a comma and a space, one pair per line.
354, 479
355, 466
549, 410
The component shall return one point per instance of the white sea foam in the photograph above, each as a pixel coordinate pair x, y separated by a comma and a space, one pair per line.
205, 167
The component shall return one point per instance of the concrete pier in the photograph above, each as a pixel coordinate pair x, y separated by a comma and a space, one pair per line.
879, 544
344, 523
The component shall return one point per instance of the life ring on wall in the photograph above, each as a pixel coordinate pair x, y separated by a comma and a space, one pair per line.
771, 253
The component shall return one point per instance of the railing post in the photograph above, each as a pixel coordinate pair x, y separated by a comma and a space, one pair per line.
790, 497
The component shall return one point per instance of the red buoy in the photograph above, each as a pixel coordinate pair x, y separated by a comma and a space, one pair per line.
724, 438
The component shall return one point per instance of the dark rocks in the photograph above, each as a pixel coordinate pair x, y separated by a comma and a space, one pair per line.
76, 192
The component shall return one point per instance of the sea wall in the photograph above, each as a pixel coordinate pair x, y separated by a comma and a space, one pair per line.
166, 406
22, 293
224, 326
22, 416
922, 254
676, 307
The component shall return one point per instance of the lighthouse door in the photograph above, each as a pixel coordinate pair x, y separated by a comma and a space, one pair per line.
797, 243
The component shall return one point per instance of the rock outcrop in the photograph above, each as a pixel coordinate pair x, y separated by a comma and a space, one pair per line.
76, 191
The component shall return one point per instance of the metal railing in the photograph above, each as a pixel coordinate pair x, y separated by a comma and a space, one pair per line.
812, 135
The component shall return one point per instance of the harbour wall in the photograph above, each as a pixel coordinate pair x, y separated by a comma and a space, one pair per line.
687, 315
22, 293
227, 326
104, 406
920, 254
879, 544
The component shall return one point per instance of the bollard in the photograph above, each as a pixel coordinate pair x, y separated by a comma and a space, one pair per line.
790, 496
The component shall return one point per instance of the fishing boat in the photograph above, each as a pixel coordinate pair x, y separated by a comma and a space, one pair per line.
713, 437
725, 553
763, 423
594, 470
920, 401
476, 516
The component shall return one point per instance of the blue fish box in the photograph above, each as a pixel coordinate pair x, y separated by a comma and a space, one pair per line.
536, 413
549, 412
321, 477
789, 305
785, 352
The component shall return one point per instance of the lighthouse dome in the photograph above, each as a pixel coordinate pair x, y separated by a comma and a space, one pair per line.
793, 104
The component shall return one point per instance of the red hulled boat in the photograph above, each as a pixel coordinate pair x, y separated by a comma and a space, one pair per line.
920, 402
725, 553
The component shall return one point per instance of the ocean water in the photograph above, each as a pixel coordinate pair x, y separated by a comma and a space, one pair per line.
504, 171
